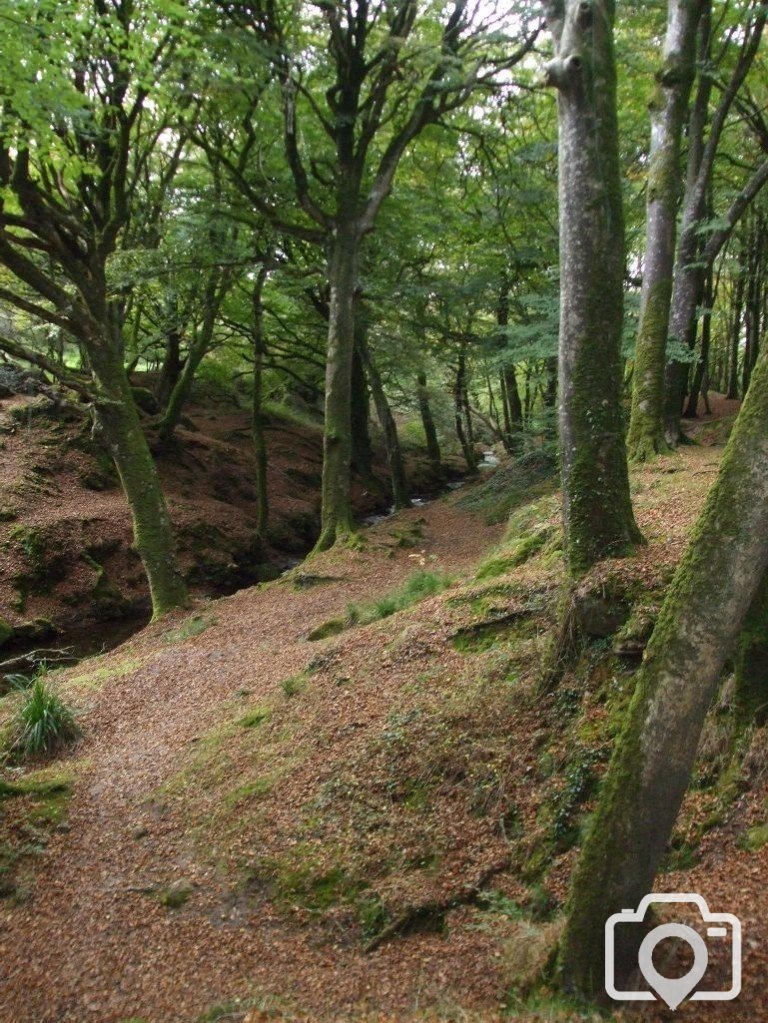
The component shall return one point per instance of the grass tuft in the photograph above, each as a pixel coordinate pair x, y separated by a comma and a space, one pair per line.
419, 586
42, 723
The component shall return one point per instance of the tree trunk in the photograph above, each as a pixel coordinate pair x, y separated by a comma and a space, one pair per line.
668, 116
199, 347
428, 422
751, 663
170, 371
336, 514
686, 296
598, 518
735, 337
652, 761
400, 495
459, 402
153, 537
702, 365
257, 414
510, 396
362, 449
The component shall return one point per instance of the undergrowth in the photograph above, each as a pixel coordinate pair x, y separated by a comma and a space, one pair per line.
42, 722
417, 587
420, 585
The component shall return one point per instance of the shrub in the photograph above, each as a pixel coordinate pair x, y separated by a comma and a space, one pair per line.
42, 722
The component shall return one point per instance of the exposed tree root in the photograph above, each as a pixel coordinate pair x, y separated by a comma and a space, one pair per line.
433, 912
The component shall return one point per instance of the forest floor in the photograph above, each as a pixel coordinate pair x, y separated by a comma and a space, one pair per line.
249, 805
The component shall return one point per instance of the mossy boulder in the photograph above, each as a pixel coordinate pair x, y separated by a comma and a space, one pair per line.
145, 400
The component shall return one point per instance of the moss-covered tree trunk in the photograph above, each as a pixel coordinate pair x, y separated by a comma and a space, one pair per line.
399, 478
119, 421
598, 516
428, 423
336, 511
683, 325
652, 761
751, 662
668, 111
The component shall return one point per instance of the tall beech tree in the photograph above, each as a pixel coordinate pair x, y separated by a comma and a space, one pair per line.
598, 517
75, 136
669, 110
358, 88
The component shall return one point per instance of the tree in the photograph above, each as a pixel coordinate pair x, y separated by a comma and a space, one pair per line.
696, 630
75, 133
385, 75
669, 109
598, 516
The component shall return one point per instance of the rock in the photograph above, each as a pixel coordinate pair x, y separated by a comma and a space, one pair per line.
633, 636
599, 615
40, 628
17, 380
145, 400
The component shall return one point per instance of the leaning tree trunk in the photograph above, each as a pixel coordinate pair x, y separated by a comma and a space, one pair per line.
598, 516
668, 110
400, 495
336, 513
121, 427
428, 422
751, 662
652, 761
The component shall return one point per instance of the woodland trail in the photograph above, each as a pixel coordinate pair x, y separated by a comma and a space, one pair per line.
90, 944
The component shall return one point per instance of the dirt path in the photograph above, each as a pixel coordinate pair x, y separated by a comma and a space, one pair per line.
90, 944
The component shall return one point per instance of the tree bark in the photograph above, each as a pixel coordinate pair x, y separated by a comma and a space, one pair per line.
735, 336
200, 346
668, 116
153, 537
400, 494
428, 423
702, 365
362, 449
597, 510
257, 413
652, 761
459, 409
336, 513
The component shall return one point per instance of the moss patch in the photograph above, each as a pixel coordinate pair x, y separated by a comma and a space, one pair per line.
30, 808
